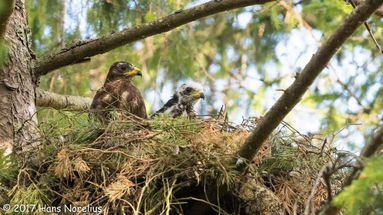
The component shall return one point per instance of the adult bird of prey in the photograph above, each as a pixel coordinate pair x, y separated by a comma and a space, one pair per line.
119, 93
183, 101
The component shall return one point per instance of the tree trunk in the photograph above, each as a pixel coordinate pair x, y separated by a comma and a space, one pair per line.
18, 120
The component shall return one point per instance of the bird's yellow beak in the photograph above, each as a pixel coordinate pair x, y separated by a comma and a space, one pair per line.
133, 72
198, 94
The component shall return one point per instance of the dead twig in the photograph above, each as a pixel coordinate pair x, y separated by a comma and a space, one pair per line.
369, 30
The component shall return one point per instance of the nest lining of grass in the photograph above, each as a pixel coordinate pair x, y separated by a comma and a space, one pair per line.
165, 165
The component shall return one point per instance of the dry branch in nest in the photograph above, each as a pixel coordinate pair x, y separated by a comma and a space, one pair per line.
163, 166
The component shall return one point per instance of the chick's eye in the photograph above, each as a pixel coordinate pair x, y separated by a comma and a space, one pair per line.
188, 90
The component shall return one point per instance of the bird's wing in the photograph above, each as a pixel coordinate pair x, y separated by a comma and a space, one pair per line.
104, 100
102, 103
96, 99
141, 110
171, 102
190, 111
132, 101
135, 104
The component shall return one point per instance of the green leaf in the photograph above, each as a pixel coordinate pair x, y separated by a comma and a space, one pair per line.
149, 16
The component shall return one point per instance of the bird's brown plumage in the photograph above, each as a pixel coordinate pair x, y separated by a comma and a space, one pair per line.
119, 93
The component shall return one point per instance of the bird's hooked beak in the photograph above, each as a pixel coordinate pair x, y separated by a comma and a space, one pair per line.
133, 72
198, 94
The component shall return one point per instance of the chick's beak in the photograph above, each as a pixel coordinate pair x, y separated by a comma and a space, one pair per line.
198, 94
134, 71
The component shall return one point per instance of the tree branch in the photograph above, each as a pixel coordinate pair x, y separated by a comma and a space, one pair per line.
85, 49
378, 12
295, 92
353, 4
6, 9
375, 143
57, 101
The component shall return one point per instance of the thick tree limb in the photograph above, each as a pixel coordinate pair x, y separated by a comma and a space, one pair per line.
295, 92
6, 9
375, 143
86, 49
57, 101
378, 12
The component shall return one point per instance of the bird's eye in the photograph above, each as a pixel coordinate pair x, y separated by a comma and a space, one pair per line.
122, 66
188, 90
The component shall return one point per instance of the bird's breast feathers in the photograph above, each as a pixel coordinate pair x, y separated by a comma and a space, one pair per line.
125, 95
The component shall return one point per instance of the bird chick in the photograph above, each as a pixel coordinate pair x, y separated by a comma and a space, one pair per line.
183, 101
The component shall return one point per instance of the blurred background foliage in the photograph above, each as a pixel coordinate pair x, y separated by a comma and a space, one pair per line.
365, 195
244, 58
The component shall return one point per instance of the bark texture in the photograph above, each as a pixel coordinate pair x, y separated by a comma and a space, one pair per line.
294, 93
375, 143
378, 12
57, 101
18, 120
83, 50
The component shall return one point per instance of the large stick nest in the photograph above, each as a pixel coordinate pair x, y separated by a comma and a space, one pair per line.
168, 166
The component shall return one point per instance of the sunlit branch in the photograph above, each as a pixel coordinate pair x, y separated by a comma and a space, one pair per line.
85, 49
294, 93
57, 101
6, 9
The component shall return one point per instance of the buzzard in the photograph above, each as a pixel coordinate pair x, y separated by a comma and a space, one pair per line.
183, 101
119, 93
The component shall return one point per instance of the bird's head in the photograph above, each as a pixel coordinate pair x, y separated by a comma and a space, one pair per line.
190, 92
123, 69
